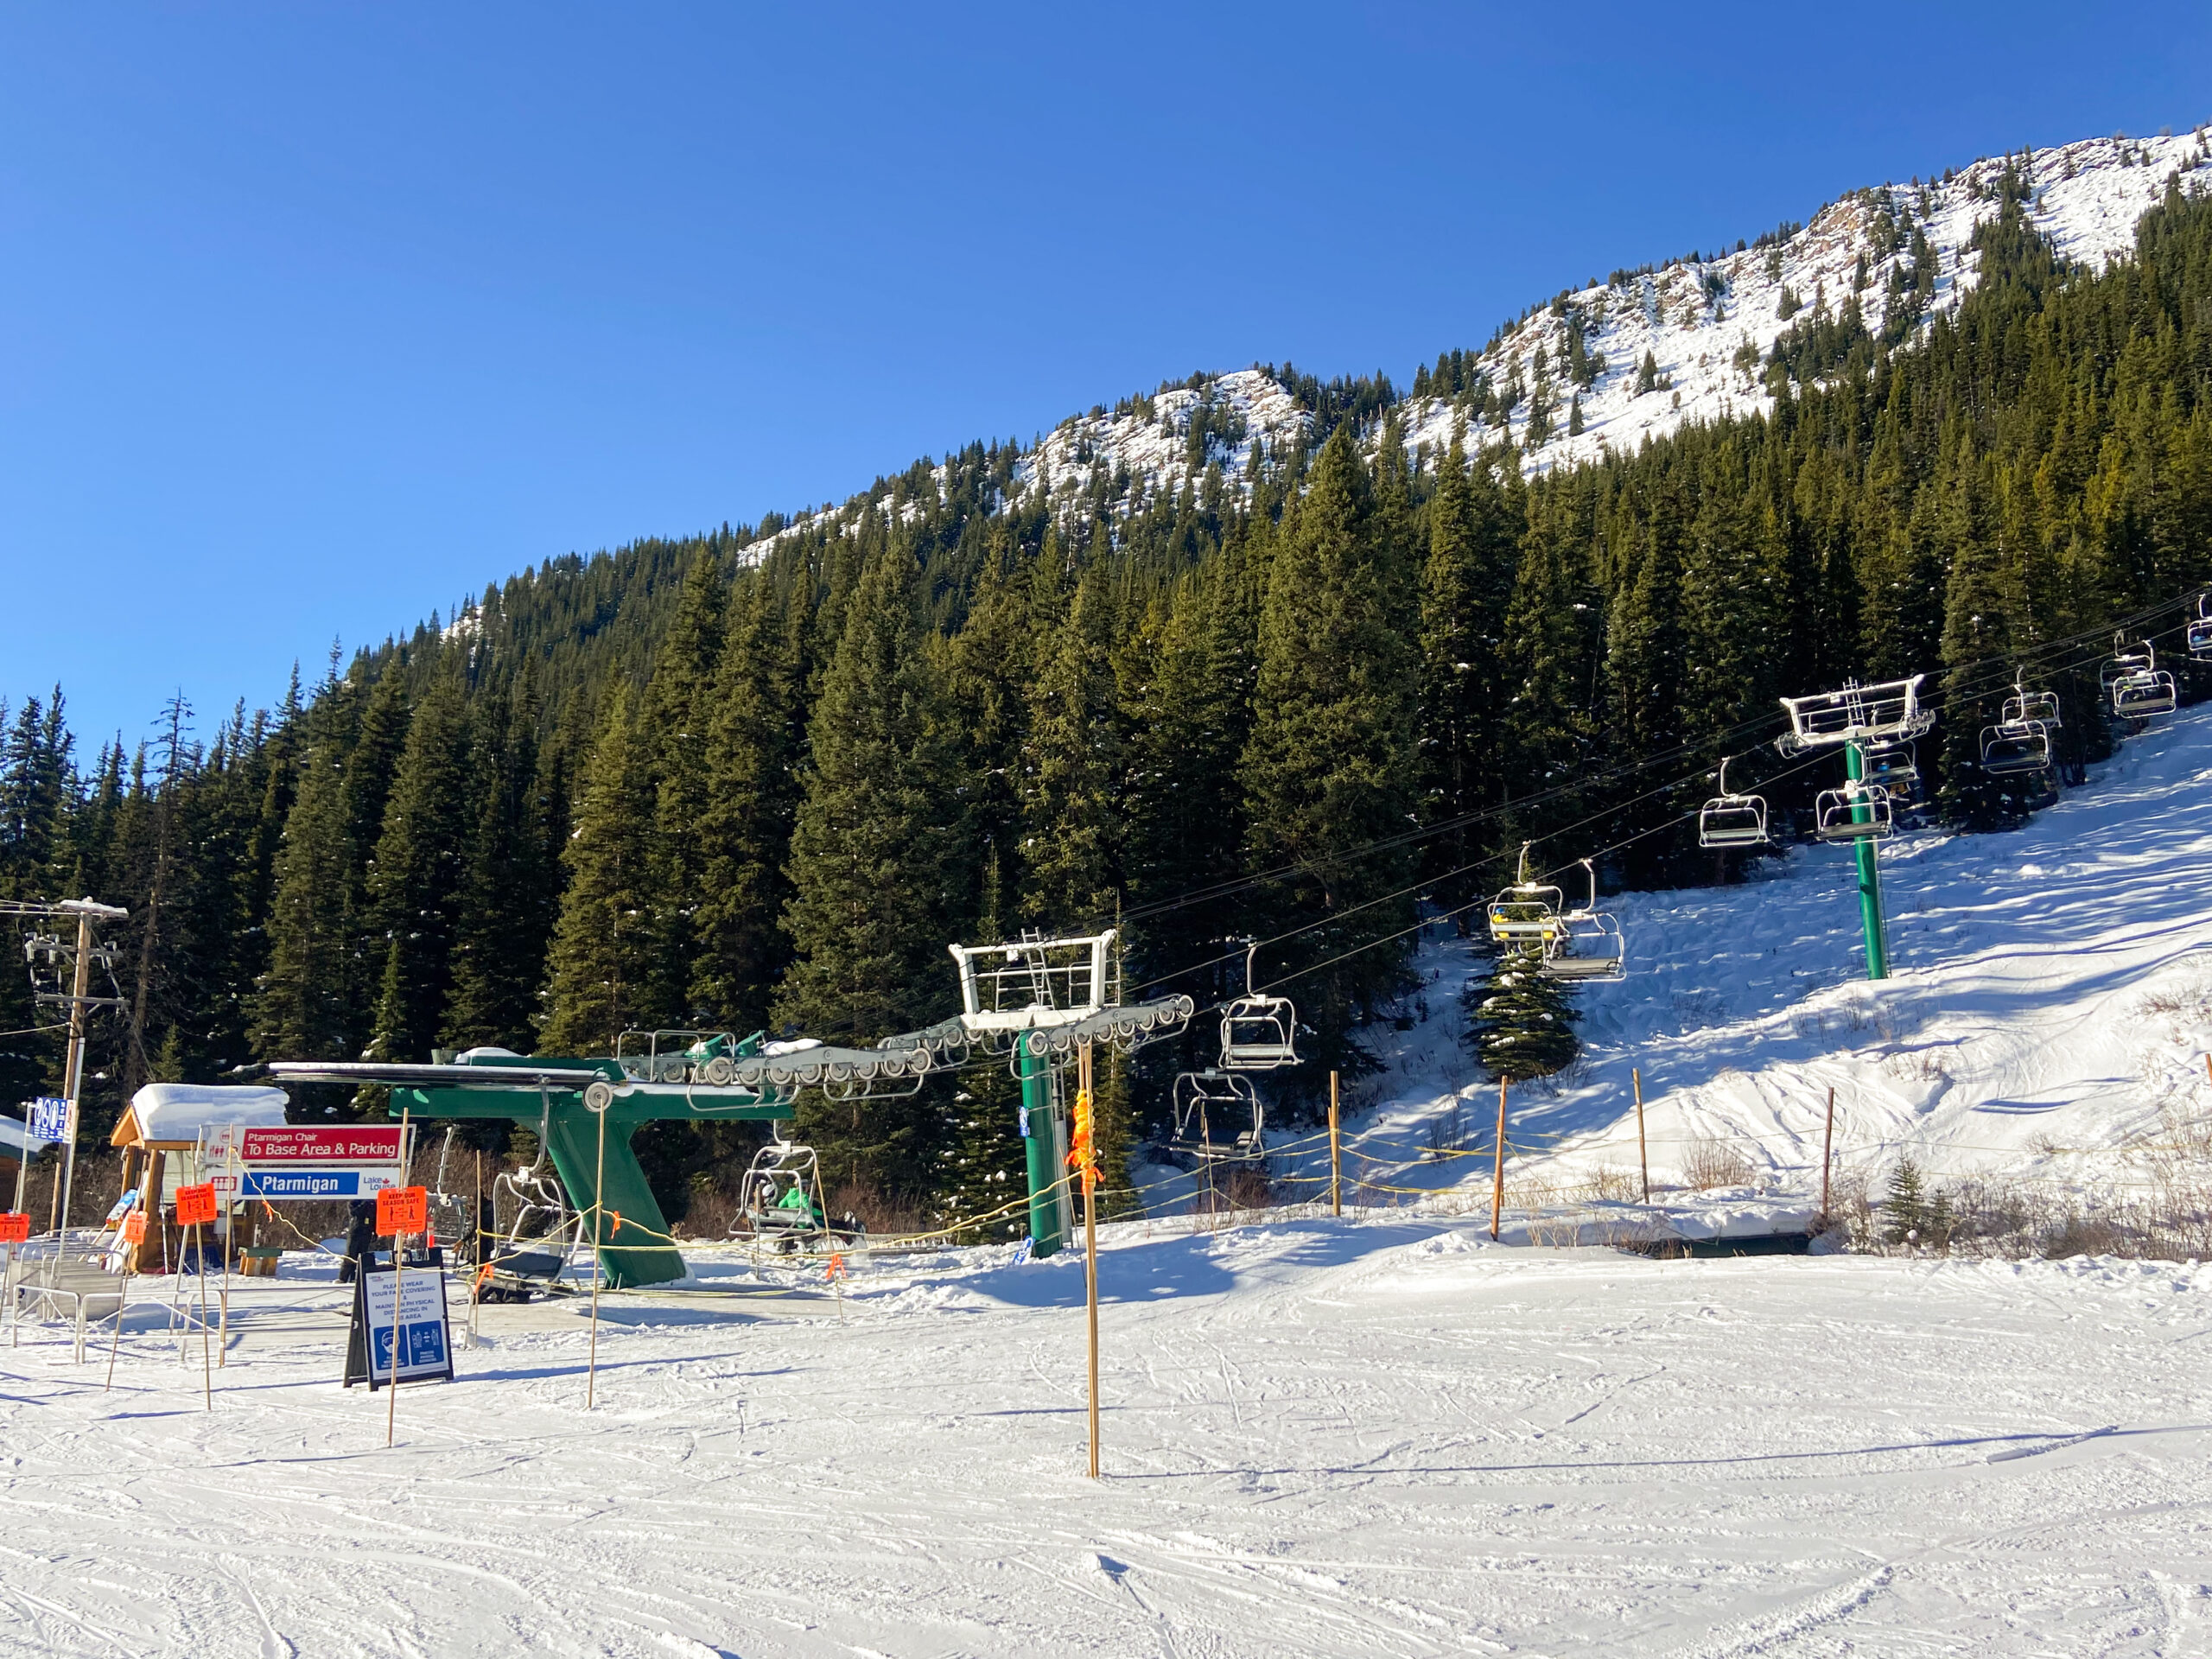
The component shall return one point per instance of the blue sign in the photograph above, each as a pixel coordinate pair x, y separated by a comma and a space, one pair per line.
305, 1183
49, 1119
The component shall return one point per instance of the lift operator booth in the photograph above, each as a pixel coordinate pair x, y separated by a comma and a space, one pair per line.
160, 1136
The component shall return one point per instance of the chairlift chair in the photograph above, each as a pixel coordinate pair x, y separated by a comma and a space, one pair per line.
1218, 1122
1258, 1033
2200, 629
2025, 705
2015, 745
2123, 663
1588, 944
1894, 768
1526, 911
781, 1201
534, 1250
2144, 690
1730, 820
1836, 818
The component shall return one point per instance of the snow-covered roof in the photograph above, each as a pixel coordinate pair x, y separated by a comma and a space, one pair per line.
178, 1111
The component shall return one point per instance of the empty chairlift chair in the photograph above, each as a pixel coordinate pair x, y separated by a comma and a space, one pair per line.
1218, 1120
1729, 820
2015, 745
1258, 1033
1588, 943
2025, 705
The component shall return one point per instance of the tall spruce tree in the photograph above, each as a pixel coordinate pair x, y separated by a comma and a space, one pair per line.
603, 954
1329, 770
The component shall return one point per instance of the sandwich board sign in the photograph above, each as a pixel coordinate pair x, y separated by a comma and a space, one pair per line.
302, 1161
409, 1317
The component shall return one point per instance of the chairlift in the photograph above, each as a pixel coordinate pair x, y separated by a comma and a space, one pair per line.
1894, 768
2123, 663
1218, 1122
2146, 690
534, 1250
2015, 745
2200, 629
1729, 820
780, 1203
1837, 818
2025, 705
1258, 1033
678, 1056
1526, 909
1588, 943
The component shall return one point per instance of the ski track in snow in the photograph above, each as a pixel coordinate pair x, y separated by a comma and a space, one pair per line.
1380, 1436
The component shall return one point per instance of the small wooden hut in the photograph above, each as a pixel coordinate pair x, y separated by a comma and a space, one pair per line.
159, 1137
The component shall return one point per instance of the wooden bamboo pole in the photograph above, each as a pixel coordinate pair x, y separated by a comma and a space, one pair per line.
1090, 1243
598, 1209
1497, 1164
1828, 1148
206, 1364
1336, 1165
1642, 1151
398, 1284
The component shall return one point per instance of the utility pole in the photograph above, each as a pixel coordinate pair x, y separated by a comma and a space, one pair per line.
79, 1000
1869, 871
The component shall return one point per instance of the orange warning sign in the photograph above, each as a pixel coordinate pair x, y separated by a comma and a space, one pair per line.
134, 1227
195, 1205
14, 1227
403, 1210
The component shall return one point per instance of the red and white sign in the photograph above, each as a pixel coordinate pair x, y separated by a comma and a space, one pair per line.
343, 1143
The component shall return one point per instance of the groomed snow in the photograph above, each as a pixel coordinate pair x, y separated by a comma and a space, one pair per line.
1383, 1439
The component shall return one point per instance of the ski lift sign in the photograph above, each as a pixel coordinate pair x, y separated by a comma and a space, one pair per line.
344, 1160
49, 1119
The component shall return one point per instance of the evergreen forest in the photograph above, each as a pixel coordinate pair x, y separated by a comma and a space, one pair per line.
758, 780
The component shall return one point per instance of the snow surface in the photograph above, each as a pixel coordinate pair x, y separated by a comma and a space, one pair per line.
1383, 1435
1693, 317
1377, 1438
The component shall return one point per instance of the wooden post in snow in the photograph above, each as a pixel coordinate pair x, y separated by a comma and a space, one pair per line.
1828, 1148
1642, 1150
1336, 1165
1497, 1164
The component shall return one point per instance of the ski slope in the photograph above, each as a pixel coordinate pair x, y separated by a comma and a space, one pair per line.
2048, 1014
1386, 1438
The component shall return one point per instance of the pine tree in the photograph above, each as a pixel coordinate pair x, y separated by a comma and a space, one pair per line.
417, 880
510, 893
1071, 765
603, 952
674, 721
1330, 765
304, 1007
875, 839
753, 726
1904, 1211
1520, 1020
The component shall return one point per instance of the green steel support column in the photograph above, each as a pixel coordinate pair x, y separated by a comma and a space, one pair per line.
1043, 1172
1870, 876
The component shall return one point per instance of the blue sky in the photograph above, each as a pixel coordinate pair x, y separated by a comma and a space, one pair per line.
313, 317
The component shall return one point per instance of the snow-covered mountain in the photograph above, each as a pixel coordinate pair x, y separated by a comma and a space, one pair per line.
1708, 326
